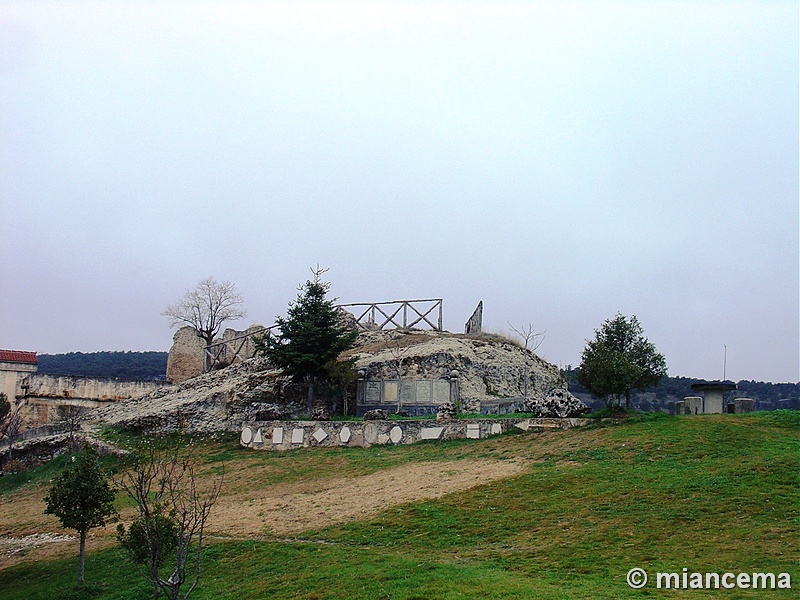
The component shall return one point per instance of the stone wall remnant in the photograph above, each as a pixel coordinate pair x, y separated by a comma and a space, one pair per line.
186, 357
475, 322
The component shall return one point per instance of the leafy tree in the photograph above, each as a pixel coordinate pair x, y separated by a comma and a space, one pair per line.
172, 514
82, 498
207, 307
310, 336
620, 359
150, 540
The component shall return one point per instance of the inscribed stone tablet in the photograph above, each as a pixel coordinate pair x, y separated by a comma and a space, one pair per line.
473, 431
370, 433
407, 392
319, 435
396, 434
345, 434
423, 392
247, 435
258, 438
390, 391
430, 433
277, 435
441, 391
372, 393
496, 428
297, 436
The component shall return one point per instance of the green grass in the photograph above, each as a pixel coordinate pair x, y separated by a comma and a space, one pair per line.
710, 493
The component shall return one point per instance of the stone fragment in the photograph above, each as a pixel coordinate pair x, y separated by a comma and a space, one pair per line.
431, 433
447, 412
376, 415
247, 436
496, 428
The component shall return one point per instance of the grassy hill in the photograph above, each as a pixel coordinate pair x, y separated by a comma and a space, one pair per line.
710, 493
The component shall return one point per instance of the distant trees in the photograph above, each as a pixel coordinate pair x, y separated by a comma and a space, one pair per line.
310, 336
620, 359
207, 307
82, 498
125, 365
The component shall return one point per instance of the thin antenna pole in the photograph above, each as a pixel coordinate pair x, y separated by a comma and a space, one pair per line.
725, 363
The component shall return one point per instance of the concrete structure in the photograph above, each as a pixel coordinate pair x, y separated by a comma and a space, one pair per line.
415, 396
711, 402
286, 435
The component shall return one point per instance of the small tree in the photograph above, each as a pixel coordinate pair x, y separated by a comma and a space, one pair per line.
310, 336
620, 359
172, 518
206, 308
82, 498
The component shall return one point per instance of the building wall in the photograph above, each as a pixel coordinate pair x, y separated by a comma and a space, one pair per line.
11, 375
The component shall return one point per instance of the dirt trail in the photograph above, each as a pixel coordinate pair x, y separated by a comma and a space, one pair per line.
282, 509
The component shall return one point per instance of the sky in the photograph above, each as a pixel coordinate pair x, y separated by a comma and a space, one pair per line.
560, 161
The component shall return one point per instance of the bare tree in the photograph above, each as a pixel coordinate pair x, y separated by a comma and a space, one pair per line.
207, 307
532, 338
163, 486
70, 417
397, 354
10, 421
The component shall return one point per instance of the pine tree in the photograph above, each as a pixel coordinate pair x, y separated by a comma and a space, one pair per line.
310, 336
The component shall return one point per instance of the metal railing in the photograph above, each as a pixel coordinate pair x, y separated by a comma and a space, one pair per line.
418, 310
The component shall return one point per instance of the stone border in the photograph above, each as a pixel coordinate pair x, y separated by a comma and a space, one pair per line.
286, 435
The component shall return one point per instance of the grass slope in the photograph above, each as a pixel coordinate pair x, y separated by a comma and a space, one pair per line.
711, 493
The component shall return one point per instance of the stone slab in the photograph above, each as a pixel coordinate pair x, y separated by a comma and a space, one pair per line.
277, 435
297, 435
396, 434
473, 431
430, 433
319, 435
247, 436
345, 434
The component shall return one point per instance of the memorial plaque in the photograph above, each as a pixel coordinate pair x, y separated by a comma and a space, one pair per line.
345, 434
390, 391
277, 435
258, 438
441, 391
372, 392
496, 428
396, 434
430, 433
297, 436
319, 435
407, 392
423, 390
473, 431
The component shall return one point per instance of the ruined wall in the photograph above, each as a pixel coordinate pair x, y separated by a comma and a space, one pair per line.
45, 394
187, 357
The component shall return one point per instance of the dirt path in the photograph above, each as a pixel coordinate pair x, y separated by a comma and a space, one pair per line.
283, 510
26, 533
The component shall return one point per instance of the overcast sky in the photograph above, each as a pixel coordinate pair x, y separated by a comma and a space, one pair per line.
561, 161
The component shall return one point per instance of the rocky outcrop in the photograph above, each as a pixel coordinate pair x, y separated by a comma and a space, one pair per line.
488, 367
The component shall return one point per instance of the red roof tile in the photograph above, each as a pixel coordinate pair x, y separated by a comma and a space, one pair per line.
18, 356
